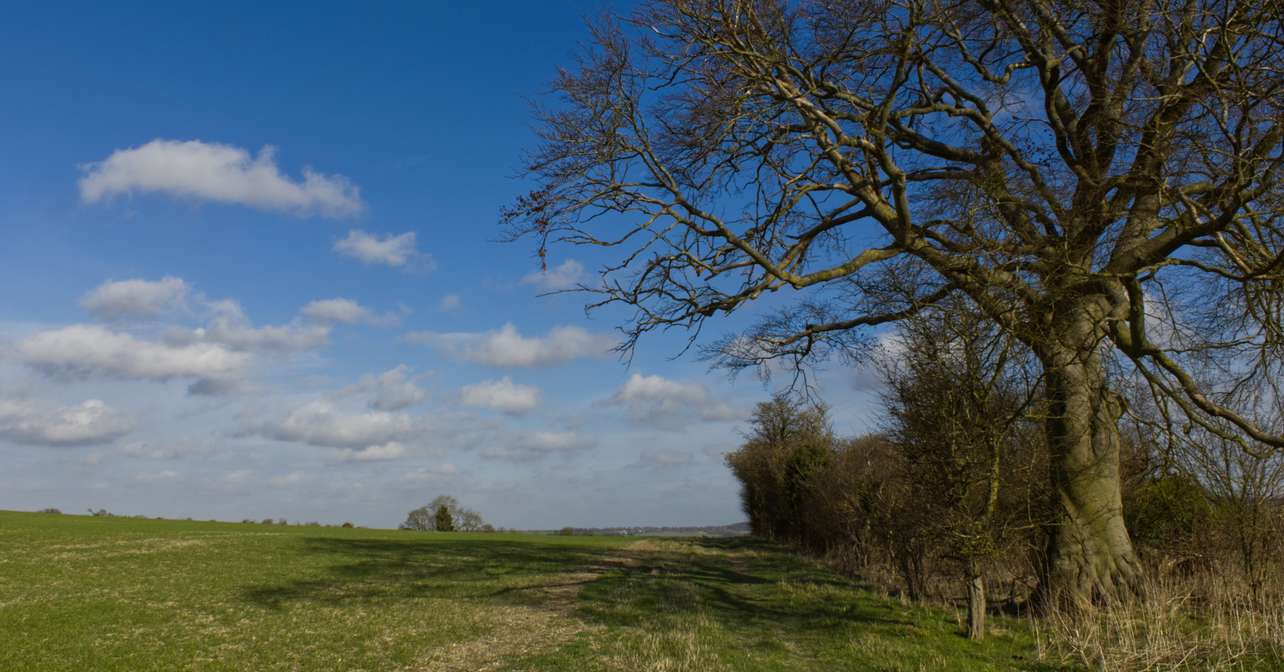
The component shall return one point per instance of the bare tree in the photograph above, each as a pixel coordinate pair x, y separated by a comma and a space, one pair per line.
1063, 163
1248, 490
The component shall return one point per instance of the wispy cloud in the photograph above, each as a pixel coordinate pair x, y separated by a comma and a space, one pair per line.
389, 250
506, 347
656, 398
568, 275
347, 311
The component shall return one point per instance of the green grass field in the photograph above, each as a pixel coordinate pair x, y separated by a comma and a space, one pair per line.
82, 593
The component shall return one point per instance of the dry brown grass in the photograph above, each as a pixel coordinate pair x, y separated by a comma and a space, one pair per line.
1206, 620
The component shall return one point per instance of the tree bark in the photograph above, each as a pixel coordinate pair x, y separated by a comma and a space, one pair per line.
975, 604
1090, 556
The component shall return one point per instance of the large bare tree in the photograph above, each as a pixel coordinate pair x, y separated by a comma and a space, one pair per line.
1100, 178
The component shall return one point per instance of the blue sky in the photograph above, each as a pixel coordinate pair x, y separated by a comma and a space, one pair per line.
249, 268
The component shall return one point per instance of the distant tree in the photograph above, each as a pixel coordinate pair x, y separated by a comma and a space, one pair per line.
346, 525
789, 442
468, 521
419, 520
50, 510
443, 521
424, 519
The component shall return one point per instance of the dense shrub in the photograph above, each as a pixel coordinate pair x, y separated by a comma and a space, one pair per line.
1168, 514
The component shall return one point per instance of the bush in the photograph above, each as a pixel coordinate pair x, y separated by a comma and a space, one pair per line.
99, 512
346, 525
566, 532
1168, 514
51, 510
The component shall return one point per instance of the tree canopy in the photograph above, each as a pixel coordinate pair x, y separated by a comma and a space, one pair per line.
1100, 179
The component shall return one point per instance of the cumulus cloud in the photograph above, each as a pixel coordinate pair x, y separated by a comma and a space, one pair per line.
536, 445
506, 347
652, 398
346, 311
567, 275
135, 298
372, 248
229, 326
220, 173
355, 436
43, 424
391, 390
92, 351
501, 395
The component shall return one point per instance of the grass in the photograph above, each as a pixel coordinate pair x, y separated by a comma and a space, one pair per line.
82, 593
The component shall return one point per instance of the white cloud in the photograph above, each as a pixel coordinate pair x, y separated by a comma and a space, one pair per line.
565, 276
506, 347
92, 351
663, 458
43, 424
292, 478
127, 298
230, 326
450, 302
388, 451
372, 248
320, 423
536, 445
218, 172
156, 476
347, 311
391, 390
160, 449
430, 474
651, 398
501, 395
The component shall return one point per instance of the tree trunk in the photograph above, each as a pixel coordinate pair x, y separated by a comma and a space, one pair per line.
1090, 555
975, 604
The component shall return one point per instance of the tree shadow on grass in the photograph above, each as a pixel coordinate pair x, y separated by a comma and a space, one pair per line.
733, 581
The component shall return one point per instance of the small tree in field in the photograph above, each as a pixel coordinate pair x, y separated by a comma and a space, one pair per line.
443, 521
957, 400
425, 518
